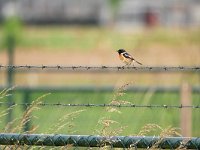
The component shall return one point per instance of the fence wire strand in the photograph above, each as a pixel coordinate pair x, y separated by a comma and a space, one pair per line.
99, 141
103, 105
56, 68
8, 140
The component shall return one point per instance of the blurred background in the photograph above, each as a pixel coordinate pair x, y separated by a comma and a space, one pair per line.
88, 32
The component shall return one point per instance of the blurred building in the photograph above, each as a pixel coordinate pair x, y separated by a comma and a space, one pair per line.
159, 12
58, 11
129, 12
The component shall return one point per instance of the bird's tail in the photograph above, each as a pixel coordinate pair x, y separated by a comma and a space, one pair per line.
138, 62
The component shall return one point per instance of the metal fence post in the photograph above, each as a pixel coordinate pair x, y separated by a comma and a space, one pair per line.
186, 114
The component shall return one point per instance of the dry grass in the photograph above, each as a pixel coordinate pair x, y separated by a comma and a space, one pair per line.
149, 128
156, 130
5, 93
25, 118
17, 125
110, 127
116, 100
167, 132
106, 125
65, 121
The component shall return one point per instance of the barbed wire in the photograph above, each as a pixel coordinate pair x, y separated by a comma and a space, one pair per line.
56, 68
103, 105
99, 141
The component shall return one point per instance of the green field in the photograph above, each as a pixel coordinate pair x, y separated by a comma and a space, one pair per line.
88, 45
89, 38
130, 120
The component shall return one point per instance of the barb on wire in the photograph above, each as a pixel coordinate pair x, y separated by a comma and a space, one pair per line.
99, 141
56, 68
105, 105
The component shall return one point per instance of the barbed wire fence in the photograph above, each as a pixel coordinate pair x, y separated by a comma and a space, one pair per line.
43, 68
104, 105
15, 141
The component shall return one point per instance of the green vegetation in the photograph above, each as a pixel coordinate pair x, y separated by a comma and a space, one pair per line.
90, 120
93, 38
11, 30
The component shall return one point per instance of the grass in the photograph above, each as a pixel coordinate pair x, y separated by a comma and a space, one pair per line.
79, 120
92, 38
106, 121
95, 120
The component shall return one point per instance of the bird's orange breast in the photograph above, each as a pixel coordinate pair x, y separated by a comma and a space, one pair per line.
121, 57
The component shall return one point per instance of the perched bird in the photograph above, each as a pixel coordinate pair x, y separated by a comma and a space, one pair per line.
126, 57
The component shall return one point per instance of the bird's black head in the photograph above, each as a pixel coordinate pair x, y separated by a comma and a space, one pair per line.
121, 51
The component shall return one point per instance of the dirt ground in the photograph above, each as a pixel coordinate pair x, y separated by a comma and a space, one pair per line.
154, 56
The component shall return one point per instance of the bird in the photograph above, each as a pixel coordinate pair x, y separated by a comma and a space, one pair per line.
126, 57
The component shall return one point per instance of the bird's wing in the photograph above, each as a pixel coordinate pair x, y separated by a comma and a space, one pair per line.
126, 55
